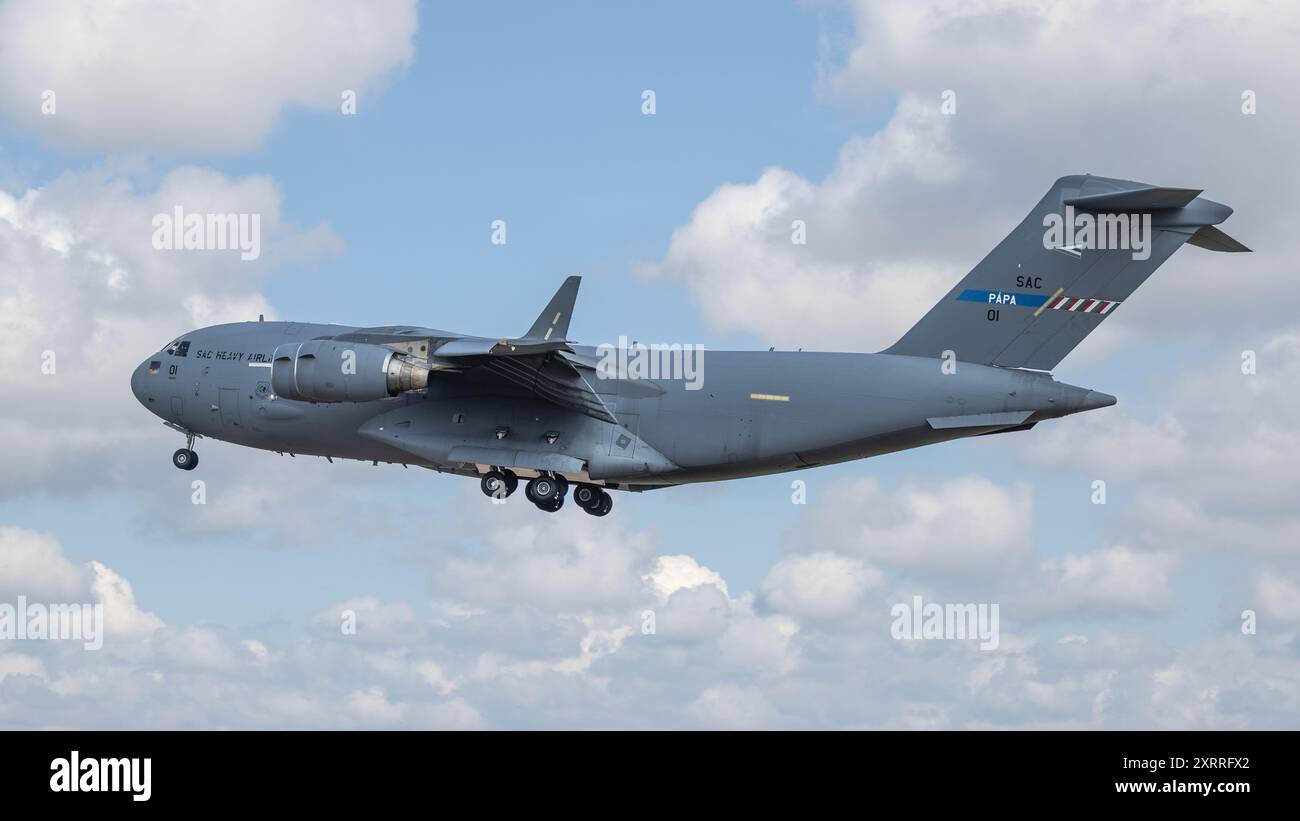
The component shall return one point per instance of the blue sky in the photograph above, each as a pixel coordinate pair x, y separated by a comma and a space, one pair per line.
532, 114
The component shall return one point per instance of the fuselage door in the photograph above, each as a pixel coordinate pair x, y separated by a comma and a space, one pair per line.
228, 400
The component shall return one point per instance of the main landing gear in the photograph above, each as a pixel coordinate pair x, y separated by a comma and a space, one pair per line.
498, 484
594, 500
185, 458
547, 491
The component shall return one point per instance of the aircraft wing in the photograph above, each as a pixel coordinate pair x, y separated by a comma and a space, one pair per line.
537, 361
471, 346
554, 379
541, 361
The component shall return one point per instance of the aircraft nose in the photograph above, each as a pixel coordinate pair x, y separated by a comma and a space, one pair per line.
137, 381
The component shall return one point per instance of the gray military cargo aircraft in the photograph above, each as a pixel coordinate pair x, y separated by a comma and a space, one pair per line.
543, 408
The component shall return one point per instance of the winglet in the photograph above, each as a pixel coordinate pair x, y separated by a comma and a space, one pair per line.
553, 323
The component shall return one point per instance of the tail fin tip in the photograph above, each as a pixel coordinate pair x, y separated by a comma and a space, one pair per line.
553, 322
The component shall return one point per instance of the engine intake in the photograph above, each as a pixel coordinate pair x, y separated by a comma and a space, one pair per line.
326, 370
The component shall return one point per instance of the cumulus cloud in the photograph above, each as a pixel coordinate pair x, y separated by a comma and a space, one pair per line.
1214, 469
17, 664
851, 281
191, 76
1111, 581
964, 525
32, 565
541, 562
1278, 595
730, 707
371, 620
947, 541
820, 585
673, 573
541, 664
84, 297
1233, 682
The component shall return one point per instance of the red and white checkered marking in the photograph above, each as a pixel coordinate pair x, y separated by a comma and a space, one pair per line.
1084, 305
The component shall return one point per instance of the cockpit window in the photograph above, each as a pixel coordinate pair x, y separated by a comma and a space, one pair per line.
154, 366
178, 348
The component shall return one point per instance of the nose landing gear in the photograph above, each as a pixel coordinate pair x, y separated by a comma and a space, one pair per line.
185, 458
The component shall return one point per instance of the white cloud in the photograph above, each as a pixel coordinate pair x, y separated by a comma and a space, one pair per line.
673, 573
1110, 581
694, 614
121, 616
79, 278
203, 648
17, 664
257, 650
964, 525
370, 621
542, 561
819, 585
763, 646
33, 565
1278, 595
534, 664
373, 707
192, 76
1234, 682
1216, 470
731, 707
433, 675
848, 286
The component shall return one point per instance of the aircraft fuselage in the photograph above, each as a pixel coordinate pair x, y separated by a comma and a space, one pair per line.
754, 412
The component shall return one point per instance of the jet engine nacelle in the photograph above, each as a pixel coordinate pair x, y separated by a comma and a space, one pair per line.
328, 370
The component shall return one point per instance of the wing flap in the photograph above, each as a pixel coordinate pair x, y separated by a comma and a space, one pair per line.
555, 380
